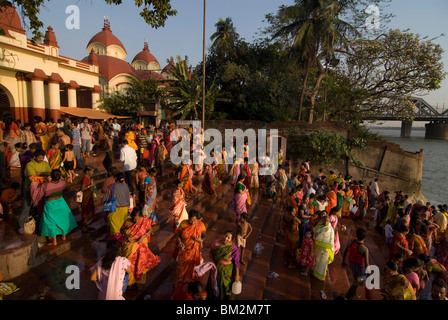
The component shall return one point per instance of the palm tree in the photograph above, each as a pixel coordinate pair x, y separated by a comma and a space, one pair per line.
316, 29
184, 94
225, 34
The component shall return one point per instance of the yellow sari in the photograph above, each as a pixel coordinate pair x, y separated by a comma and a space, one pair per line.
41, 130
55, 162
130, 137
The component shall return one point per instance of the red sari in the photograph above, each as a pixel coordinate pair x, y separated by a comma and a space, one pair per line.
248, 175
306, 256
400, 238
142, 259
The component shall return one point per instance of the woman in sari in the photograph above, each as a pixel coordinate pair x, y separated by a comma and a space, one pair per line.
247, 173
57, 217
55, 157
186, 174
190, 237
333, 216
178, 211
340, 193
136, 233
226, 256
87, 204
235, 171
99, 131
400, 243
151, 197
239, 199
396, 286
111, 273
115, 220
208, 185
282, 182
154, 144
324, 247
12, 134
332, 200
348, 197
41, 132
290, 225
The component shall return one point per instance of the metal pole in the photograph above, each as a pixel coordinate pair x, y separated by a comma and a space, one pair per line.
203, 72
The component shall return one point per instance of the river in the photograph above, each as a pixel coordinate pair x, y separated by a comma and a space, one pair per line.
435, 164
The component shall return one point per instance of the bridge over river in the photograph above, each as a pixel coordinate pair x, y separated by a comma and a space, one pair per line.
437, 128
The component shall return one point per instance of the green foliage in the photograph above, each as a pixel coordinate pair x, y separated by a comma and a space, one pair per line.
184, 94
139, 94
326, 147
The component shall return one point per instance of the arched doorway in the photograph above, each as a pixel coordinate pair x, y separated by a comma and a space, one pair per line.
5, 102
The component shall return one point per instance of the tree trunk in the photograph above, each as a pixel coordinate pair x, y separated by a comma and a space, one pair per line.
320, 77
302, 95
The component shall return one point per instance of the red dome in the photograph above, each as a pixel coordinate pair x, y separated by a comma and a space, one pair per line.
169, 66
145, 55
146, 74
109, 67
10, 20
106, 37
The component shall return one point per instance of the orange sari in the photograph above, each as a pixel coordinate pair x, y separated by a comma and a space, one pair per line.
190, 257
142, 259
186, 176
332, 200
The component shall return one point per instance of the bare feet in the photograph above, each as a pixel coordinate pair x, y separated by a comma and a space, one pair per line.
64, 238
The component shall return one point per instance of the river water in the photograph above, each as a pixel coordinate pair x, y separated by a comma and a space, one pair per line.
435, 160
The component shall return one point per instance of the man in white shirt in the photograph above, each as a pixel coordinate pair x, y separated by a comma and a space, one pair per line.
374, 192
128, 157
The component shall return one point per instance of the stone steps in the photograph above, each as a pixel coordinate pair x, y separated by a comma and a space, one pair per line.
217, 220
163, 243
24, 253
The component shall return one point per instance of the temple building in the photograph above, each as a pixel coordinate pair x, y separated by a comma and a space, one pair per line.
36, 80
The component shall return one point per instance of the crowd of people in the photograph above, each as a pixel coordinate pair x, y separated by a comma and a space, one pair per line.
53, 155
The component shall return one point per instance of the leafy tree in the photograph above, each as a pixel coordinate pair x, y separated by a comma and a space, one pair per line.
184, 94
315, 28
154, 12
327, 147
380, 75
139, 94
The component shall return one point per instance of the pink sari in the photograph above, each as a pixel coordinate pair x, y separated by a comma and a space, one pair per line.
334, 225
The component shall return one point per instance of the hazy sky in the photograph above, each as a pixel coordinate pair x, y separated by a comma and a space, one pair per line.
182, 34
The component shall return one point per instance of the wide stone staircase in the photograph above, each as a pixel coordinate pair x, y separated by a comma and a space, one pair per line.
264, 276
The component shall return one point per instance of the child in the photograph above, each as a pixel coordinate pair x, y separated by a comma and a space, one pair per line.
388, 232
244, 231
306, 256
8, 196
69, 162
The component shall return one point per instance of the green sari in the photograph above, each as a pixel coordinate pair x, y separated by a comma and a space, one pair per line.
324, 252
219, 253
